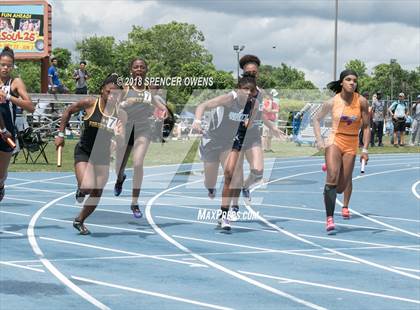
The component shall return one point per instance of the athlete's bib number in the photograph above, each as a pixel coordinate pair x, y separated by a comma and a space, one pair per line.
147, 97
111, 123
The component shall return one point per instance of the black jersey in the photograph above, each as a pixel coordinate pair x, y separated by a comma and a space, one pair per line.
225, 121
8, 112
141, 109
98, 128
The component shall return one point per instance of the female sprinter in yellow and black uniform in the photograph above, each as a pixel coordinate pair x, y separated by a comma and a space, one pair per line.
13, 94
92, 154
139, 102
349, 112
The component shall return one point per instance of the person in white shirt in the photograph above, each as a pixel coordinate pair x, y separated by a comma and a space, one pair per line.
398, 110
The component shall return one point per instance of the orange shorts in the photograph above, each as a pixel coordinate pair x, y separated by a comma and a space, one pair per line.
347, 144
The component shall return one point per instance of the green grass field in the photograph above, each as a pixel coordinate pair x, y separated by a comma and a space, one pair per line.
183, 151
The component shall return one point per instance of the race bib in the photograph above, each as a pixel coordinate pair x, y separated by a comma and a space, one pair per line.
147, 97
111, 123
108, 123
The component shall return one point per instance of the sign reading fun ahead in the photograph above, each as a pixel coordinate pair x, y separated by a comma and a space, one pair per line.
24, 27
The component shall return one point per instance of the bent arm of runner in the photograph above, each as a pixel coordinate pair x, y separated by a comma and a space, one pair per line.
325, 109
86, 104
223, 100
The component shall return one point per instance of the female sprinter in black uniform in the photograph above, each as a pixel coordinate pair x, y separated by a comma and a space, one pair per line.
92, 154
139, 102
13, 94
255, 155
225, 138
349, 111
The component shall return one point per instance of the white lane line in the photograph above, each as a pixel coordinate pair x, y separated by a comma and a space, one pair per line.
212, 224
273, 169
414, 191
178, 255
18, 179
103, 226
37, 250
304, 208
91, 246
11, 233
58, 183
211, 263
22, 267
407, 269
263, 205
137, 256
294, 236
321, 222
406, 247
150, 293
37, 181
387, 296
90, 224
15, 213
319, 193
395, 218
51, 268
336, 213
377, 221
37, 190
296, 253
21, 199
97, 209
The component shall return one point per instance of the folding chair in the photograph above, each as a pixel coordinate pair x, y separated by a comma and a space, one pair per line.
31, 142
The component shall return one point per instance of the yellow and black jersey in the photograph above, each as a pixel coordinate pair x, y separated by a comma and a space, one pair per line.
98, 126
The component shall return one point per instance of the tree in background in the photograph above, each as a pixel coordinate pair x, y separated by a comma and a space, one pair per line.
358, 66
173, 49
283, 77
63, 56
390, 78
176, 49
30, 72
99, 52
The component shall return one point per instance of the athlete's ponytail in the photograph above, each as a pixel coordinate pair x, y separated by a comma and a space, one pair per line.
7, 51
336, 86
112, 78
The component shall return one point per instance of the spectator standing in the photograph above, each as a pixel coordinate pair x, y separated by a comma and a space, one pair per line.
81, 76
54, 84
398, 110
378, 111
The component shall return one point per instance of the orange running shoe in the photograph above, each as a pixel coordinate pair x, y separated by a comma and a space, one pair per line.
345, 213
330, 223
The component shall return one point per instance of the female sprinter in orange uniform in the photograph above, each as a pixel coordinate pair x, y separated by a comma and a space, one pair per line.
349, 112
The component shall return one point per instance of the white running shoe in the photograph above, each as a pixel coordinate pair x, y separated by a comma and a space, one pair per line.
233, 214
225, 225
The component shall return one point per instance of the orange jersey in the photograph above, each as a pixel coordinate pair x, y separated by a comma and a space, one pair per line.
346, 122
